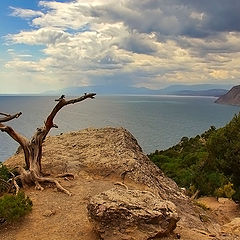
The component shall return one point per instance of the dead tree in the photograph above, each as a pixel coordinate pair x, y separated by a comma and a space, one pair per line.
32, 149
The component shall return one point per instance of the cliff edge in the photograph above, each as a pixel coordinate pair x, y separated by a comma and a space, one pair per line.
118, 193
232, 97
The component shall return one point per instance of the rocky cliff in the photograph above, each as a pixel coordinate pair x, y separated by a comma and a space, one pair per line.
232, 97
118, 193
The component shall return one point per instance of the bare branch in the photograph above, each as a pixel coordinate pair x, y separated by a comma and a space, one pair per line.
5, 114
9, 117
18, 138
61, 103
59, 99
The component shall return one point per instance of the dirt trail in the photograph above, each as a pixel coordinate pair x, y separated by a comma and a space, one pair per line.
57, 216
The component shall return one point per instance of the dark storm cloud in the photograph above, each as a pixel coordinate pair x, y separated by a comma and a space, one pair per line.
136, 44
221, 15
192, 18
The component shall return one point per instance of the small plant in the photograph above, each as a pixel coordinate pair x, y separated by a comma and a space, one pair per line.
201, 205
13, 207
5, 175
4, 172
225, 191
191, 190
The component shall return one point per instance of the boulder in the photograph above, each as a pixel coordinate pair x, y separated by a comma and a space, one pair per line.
124, 214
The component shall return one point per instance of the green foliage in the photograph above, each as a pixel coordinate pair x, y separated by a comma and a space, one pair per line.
4, 177
201, 205
12, 207
4, 172
225, 191
209, 163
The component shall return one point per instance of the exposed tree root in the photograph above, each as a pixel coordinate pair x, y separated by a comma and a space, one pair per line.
65, 175
28, 177
16, 185
51, 180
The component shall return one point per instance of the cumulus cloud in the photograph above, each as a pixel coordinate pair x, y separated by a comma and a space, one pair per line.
148, 43
42, 36
25, 13
25, 66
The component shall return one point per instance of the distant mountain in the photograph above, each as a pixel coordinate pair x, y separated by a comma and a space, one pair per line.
105, 90
232, 97
210, 92
195, 87
188, 90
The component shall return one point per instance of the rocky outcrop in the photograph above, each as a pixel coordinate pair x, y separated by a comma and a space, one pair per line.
131, 214
100, 159
106, 152
232, 97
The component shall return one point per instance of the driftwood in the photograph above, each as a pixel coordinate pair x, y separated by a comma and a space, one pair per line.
33, 148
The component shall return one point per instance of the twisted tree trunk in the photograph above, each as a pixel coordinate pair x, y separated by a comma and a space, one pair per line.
33, 148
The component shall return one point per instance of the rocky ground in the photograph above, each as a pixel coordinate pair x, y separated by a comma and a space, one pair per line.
115, 180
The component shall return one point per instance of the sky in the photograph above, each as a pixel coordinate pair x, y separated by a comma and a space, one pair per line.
49, 45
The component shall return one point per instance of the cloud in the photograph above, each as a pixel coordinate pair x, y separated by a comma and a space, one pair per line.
219, 15
25, 66
42, 36
10, 50
138, 43
24, 55
149, 43
25, 13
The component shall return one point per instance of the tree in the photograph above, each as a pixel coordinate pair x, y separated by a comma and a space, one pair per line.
33, 148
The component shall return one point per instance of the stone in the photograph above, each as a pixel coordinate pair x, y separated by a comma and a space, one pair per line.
232, 227
131, 215
49, 213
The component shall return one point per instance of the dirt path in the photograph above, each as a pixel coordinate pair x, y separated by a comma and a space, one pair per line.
56, 216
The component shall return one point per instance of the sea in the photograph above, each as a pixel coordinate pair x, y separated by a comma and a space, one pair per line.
157, 122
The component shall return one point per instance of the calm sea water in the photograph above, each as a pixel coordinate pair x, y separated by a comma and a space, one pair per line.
157, 122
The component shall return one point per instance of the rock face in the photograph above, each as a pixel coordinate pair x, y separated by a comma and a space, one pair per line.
232, 97
131, 214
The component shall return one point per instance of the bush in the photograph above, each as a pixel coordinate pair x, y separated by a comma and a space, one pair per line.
13, 207
4, 177
210, 162
4, 172
225, 191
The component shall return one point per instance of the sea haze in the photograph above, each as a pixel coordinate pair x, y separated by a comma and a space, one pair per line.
157, 122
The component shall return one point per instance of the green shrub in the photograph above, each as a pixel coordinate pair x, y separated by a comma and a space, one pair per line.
207, 162
201, 205
5, 175
4, 172
13, 207
225, 191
